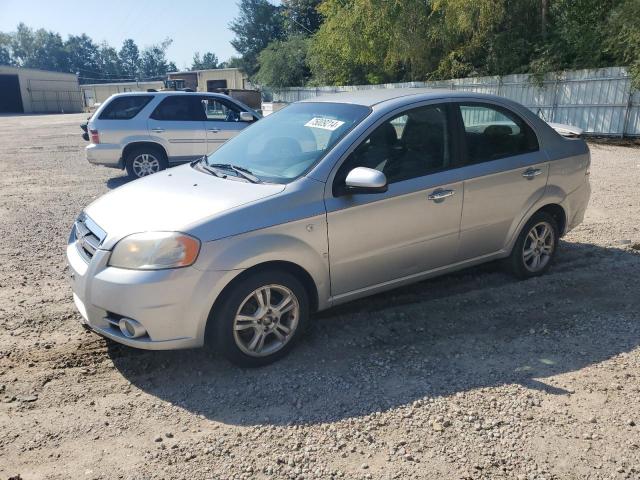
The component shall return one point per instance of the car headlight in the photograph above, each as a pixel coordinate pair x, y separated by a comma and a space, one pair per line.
155, 251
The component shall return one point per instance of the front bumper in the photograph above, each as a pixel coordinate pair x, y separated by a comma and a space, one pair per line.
106, 154
172, 305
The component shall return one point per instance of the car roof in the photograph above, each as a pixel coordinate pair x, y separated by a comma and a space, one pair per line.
170, 92
371, 97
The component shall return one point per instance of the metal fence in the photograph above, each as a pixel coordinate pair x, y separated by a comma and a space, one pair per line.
54, 96
600, 101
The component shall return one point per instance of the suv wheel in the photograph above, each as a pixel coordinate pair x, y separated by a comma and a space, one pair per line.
260, 319
144, 161
536, 246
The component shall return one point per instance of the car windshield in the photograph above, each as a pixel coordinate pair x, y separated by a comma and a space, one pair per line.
284, 145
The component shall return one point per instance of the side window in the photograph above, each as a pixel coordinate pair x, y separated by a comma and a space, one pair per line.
180, 108
221, 111
124, 108
413, 144
492, 132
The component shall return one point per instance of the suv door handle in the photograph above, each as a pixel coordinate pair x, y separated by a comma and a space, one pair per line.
157, 130
530, 173
440, 195
213, 130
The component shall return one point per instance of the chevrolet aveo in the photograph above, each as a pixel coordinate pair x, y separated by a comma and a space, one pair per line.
326, 201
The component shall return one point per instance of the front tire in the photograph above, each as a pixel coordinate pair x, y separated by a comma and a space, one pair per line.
144, 161
260, 319
536, 247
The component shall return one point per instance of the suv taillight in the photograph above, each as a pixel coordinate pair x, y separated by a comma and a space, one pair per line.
95, 137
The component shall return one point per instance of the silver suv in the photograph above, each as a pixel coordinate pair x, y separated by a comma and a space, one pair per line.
148, 132
325, 201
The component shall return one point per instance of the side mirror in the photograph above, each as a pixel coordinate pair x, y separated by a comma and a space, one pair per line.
246, 117
365, 180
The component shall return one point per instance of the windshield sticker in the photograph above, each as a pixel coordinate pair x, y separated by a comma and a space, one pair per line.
324, 123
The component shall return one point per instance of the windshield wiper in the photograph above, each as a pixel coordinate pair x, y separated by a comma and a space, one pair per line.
241, 171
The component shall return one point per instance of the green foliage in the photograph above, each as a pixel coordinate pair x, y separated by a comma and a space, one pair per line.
301, 17
623, 43
283, 63
153, 60
129, 56
258, 24
208, 61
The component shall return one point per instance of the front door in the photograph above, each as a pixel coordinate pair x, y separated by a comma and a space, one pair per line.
180, 121
380, 238
223, 121
505, 174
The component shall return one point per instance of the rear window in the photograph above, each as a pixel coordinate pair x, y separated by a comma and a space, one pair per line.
124, 108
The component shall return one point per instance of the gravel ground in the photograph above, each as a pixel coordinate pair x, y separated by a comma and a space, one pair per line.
473, 375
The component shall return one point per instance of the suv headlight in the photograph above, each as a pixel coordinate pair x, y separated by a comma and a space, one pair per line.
155, 251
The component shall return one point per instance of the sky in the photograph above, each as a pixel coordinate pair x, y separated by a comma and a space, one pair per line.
194, 25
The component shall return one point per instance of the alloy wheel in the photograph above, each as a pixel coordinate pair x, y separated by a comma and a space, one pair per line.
145, 164
266, 320
538, 247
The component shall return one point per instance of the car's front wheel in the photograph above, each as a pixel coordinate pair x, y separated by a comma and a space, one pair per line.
260, 319
144, 161
536, 246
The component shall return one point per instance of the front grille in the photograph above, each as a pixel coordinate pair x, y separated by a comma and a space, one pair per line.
88, 237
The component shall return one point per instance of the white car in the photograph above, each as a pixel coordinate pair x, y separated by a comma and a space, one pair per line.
146, 132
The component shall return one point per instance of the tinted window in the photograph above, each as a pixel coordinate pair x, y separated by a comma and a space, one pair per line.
181, 108
493, 132
410, 145
284, 145
221, 111
124, 108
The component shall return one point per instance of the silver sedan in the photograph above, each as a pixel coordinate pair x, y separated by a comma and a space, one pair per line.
325, 201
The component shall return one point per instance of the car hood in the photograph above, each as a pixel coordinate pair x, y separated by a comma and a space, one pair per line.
171, 200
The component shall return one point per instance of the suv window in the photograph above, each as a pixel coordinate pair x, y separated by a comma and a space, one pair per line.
124, 108
221, 111
180, 108
493, 132
410, 145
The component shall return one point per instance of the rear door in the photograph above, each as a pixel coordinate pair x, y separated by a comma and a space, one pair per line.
179, 120
505, 173
222, 121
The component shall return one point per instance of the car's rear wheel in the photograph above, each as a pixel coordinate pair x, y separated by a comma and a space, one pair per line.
260, 319
536, 246
144, 161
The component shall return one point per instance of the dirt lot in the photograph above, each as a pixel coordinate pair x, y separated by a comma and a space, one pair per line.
473, 375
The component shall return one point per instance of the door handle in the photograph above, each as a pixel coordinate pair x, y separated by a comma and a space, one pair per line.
531, 173
440, 195
213, 130
157, 130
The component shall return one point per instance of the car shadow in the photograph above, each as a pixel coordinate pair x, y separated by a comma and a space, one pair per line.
473, 329
115, 182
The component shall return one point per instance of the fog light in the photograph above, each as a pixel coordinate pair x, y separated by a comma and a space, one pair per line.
130, 328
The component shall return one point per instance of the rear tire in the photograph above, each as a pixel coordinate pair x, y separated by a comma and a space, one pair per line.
260, 319
535, 247
144, 161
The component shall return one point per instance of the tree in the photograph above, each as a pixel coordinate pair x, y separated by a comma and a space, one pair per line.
129, 57
6, 54
284, 63
232, 62
301, 17
153, 61
39, 49
83, 55
258, 24
209, 61
109, 62
623, 42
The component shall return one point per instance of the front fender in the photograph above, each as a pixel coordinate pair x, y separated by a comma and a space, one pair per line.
303, 243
